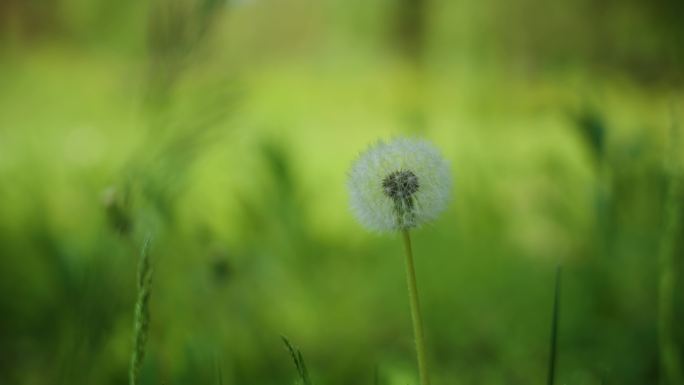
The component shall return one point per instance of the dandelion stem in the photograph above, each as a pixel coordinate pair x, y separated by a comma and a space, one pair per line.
415, 311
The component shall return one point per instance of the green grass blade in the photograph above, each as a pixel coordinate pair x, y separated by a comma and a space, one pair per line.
298, 359
554, 329
670, 354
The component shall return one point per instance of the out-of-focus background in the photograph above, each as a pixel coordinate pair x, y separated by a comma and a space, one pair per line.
225, 129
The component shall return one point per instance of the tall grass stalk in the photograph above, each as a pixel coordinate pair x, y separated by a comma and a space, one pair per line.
141, 323
670, 356
415, 310
553, 350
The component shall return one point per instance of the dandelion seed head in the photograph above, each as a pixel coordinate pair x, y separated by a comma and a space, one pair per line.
398, 185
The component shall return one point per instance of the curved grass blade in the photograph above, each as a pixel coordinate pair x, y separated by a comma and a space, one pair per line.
298, 361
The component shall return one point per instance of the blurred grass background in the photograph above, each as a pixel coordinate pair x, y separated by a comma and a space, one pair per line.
225, 130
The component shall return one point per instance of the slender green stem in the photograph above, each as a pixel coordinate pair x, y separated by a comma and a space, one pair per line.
670, 356
415, 311
554, 329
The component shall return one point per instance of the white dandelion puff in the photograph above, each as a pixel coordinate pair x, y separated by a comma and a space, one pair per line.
399, 185
396, 186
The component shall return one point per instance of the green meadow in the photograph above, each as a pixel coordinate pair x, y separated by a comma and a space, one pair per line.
205, 145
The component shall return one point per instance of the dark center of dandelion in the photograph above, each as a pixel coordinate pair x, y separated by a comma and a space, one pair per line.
400, 184
400, 187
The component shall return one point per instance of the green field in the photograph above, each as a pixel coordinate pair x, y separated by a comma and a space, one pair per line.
223, 133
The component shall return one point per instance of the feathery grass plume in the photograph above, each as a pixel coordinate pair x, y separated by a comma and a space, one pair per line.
141, 324
397, 186
298, 360
670, 355
553, 351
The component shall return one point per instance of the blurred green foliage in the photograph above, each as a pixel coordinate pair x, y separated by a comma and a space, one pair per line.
225, 130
